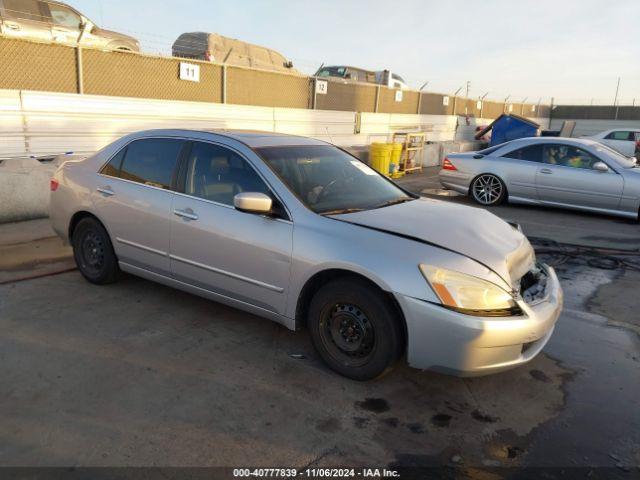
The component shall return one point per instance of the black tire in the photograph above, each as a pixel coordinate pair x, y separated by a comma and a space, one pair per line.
488, 190
93, 252
344, 310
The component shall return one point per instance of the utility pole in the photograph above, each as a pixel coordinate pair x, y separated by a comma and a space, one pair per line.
482, 103
615, 99
455, 97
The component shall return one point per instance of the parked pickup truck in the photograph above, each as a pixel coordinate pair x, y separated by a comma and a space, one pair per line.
353, 74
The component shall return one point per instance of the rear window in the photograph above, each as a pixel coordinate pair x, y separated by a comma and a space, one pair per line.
150, 161
23, 10
531, 153
490, 150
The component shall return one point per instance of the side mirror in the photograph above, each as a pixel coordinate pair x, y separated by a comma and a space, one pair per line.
253, 202
600, 167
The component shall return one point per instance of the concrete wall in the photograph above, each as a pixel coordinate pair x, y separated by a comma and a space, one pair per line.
591, 127
44, 123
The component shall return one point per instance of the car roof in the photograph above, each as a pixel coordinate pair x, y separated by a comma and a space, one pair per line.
567, 140
251, 138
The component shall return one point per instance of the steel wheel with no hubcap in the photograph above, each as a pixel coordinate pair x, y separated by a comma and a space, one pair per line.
348, 334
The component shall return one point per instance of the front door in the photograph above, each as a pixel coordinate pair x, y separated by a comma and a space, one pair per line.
567, 177
133, 196
239, 255
66, 24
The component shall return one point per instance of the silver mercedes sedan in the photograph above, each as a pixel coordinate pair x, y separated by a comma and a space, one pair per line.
561, 172
300, 232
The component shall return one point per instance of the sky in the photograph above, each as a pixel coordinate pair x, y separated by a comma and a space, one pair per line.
572, 50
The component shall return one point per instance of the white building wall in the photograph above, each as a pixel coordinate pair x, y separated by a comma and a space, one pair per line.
39, 123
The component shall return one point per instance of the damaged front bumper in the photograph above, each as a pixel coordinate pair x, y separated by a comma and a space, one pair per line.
455, 343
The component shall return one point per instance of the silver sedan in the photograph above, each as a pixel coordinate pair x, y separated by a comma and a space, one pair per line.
298, 231
561, 172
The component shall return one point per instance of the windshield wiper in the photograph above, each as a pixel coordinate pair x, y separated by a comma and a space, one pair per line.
338, 211
395, 201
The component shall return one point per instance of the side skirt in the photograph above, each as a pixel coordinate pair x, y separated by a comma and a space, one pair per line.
208, 294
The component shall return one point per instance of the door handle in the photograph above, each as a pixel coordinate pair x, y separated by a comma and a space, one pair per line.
106, 191
546, 170
184, 214
12, 26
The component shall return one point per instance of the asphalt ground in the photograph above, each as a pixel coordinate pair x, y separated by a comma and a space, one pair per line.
138, 374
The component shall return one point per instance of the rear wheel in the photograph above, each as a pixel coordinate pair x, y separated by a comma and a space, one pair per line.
488, 190
355, 329
93, 252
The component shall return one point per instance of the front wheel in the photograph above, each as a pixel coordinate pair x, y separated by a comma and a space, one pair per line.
93, 252
355, 329
488, 190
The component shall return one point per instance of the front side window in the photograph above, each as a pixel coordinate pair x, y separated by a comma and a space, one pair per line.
218, 174
150, 161
328, 180
23, 10
64, 17
568, 156
620, 135
532, 153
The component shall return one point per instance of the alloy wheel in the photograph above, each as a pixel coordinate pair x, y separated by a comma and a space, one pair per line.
487, 189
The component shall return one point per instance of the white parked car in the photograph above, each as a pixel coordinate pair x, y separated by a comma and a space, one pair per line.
624, 140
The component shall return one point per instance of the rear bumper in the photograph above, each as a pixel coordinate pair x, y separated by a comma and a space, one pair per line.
455, 180
450, 342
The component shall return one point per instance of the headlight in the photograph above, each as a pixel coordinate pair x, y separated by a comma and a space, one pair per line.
469, 294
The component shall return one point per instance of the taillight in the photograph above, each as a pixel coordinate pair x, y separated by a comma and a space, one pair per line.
447, 165
53, 184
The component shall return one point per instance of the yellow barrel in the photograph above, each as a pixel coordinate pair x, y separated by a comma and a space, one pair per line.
396, 154
380, 157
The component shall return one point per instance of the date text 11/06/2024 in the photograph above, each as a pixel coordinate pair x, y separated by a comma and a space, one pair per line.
316, 473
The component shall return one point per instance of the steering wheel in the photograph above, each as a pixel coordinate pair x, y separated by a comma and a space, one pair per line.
330, 186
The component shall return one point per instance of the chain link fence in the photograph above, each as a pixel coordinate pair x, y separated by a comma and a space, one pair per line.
29, 65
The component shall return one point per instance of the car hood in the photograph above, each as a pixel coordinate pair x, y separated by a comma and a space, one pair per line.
472, 232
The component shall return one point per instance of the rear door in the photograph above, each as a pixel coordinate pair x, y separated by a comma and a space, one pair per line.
25, 19
133, 196
240, 255
567, 177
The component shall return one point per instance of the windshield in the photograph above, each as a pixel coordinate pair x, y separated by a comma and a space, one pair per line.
621, 160
329, 181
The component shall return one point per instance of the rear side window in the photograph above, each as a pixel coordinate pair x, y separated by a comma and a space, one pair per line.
23, 10
532, 153
113, 167
151, 161
621, 135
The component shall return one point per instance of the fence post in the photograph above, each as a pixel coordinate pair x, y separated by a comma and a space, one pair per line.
419, 102
314, 93
79, 70
375, 107
224, 83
